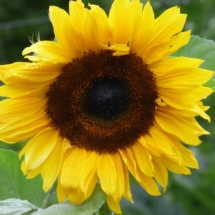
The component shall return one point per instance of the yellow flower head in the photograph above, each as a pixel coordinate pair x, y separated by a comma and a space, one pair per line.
106, 99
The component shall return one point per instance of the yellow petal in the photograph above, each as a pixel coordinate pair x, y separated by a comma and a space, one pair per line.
21, 129
162, 67
40, 147
61, 193
119, 177
186, 97
191, 110
143, 159
188, 157
107, 174
121, 17
127, 191
92, 26
24, 167
119, 49
90, 32
148, 184
52, 165
160, 174
188, 76
103, 26
167, 25
35, 72
63, 31
180, 127
6, 69
199, 109
76, 196
114, 205
150, 144
162, 141
161, 51
14, 109
48, 51
88, 171
71, 168
34, 172
174, 166
177, 41
77, 14
128, 158
90, 188
18, 90
142, 33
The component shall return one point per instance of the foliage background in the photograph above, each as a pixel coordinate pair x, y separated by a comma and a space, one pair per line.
185, 195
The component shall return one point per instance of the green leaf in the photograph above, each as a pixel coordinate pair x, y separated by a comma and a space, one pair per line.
13, 183
210, 84
199, 48
89, 207
104, 210
17, 207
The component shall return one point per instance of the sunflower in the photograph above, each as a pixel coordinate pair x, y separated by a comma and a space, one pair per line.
105, 99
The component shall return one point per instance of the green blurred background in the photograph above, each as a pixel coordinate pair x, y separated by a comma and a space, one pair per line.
185, 195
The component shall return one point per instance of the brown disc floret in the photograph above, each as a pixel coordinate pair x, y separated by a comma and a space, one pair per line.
102, 102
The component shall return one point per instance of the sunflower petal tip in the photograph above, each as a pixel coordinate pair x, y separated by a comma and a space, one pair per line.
164, 190
46, 188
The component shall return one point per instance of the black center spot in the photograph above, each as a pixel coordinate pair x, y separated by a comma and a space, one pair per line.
106, 101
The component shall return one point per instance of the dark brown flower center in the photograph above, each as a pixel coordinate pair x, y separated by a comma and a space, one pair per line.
101, 102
